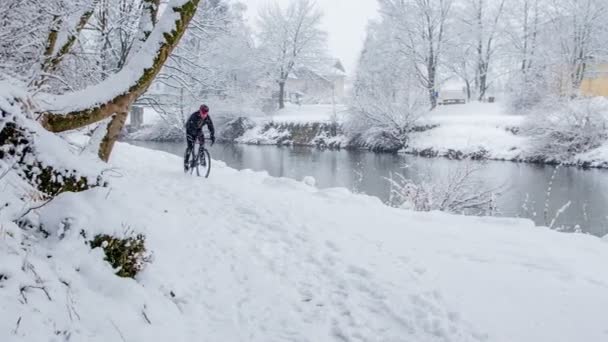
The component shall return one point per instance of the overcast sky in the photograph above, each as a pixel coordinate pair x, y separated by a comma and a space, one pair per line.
345, 21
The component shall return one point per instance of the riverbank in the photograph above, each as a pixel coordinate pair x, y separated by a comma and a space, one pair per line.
277, 258
478, 131
524, 185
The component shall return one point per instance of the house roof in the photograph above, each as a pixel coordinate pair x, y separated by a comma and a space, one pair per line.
335, 68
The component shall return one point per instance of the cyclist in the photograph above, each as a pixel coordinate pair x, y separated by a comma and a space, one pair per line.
194, 131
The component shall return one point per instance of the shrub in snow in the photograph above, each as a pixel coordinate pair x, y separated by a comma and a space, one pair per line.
235, 129
562, 129
460, 193
310, 181
381, 124
527, 91
127, 255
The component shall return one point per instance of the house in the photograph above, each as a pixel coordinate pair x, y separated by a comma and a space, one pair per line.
323, 84
595, 82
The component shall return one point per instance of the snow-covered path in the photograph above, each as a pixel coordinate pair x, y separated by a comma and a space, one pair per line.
261, 258
247, 257
264, 264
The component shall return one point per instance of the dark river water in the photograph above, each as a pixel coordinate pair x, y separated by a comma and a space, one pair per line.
524, 185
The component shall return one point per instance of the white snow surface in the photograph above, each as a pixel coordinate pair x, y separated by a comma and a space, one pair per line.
470, 128
249, 257
303, 114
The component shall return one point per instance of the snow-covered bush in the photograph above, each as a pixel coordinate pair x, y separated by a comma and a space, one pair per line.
381, 124
39, 157
527, 91
127, 255
460, 193
564, 128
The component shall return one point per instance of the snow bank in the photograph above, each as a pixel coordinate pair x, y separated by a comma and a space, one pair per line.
244, 256
308, 114
471, 129
315, 134
597, 157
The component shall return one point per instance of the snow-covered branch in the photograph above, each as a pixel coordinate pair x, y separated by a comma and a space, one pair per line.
115, 94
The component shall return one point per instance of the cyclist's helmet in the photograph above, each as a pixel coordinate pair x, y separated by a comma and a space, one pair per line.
204, 110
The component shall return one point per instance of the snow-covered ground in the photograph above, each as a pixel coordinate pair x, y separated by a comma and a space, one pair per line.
322, 113
486, 127
244, 256
469, 129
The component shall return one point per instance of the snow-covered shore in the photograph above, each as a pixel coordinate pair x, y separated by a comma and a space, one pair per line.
475, 130
244, 256
486, 131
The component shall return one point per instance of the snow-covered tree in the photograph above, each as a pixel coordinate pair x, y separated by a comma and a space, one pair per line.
552, 45
529, 79
420, 33
387, 97
483, 20
577, 32
291, 38
58, 30
215, 63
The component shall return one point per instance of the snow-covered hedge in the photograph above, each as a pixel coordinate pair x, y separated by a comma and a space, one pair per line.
562, 129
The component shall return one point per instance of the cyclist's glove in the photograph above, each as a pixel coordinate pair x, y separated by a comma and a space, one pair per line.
212, 140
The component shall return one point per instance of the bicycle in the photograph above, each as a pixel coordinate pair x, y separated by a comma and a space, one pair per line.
201, 165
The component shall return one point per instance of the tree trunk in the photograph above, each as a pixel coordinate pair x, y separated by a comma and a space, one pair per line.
113, 132
483, 79
431, 86
281, 95
432, 98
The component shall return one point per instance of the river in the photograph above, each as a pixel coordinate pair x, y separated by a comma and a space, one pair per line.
524, 185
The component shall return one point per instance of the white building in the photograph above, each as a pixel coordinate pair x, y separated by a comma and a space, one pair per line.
324, 84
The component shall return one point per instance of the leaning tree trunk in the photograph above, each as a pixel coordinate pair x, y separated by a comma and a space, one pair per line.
113, 131
57, 121
117, 124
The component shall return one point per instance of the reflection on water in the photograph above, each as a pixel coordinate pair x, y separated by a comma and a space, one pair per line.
366, 172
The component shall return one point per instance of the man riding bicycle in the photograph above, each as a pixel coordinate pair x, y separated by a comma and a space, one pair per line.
194, 132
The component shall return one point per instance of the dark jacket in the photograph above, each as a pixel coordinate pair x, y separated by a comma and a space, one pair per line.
195, 124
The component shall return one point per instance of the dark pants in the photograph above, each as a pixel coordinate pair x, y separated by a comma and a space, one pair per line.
191, 140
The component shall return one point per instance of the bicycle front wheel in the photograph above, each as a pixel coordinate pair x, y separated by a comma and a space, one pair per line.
194, 165
205, 167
